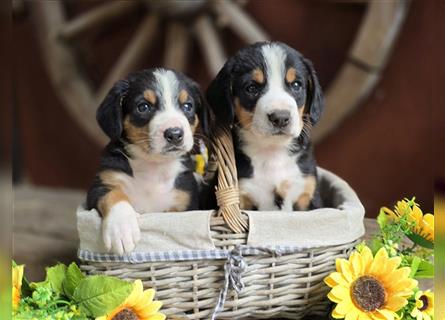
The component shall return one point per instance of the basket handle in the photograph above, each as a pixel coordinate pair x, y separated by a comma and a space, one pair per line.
227, 192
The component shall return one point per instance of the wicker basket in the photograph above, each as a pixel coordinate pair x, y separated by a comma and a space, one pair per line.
239, 278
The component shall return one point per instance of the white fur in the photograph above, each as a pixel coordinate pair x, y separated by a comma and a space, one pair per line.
120, 229
275, 97
151, 188
272, 165
171, 116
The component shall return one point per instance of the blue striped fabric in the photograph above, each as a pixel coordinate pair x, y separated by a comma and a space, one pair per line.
141, 257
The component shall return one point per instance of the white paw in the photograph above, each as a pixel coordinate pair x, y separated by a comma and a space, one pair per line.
120, 229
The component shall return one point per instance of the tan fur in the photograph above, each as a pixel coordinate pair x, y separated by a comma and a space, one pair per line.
246, 203
244, 117
303, 201
258, 75
195, 123
137, 136
150, 96
114, 196
182, 200
283, 188
291, 75
183, 96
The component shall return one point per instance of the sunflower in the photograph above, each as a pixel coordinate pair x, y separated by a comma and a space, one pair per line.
369, 288
17, 278
139, 305
423, 224
424, 309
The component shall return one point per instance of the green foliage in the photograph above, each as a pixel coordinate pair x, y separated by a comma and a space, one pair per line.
67, 294
97, 294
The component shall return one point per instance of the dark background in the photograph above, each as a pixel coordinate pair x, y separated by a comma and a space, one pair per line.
387, 149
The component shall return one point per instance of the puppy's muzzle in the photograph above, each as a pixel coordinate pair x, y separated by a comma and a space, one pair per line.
279, 119
174, 136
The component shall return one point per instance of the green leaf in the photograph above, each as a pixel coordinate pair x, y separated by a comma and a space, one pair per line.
425, 270
54, 276
98, 295
382, 218
414, 266
73, 277
417, 239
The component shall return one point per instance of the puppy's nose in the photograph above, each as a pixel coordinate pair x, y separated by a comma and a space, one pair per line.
280, 118
174, 135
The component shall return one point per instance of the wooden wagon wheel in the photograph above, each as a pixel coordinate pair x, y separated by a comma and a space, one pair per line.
356, 78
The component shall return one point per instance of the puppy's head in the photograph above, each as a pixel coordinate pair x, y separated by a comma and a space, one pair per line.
268, 89
156, 110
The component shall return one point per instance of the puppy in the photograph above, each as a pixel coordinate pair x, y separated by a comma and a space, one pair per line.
270, 96
151, 118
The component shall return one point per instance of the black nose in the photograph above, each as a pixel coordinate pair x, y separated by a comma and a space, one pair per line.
174, 135
279, 119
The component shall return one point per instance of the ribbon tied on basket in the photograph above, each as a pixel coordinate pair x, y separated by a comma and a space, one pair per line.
233, 270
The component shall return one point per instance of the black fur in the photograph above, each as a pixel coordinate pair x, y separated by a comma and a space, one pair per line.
122, 101
230, 83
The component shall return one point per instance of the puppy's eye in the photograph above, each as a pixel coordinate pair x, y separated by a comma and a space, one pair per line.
144, 108
252, 89
187, 107
296, 85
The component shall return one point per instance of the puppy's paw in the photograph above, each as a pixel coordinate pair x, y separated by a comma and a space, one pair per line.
120, 229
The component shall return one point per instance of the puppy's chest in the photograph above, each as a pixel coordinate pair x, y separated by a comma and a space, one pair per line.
152, 187
276, 182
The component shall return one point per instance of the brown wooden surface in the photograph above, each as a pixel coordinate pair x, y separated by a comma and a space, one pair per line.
383, 150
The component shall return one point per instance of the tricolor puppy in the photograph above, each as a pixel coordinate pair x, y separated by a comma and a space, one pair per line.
270, 95
151, 118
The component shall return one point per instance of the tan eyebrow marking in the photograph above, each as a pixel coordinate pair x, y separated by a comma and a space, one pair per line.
150, 96
291, 75
183, 95
258, 75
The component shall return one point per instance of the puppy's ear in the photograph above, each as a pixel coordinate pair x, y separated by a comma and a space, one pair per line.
219, 96
109, 113
202, 110
314, 95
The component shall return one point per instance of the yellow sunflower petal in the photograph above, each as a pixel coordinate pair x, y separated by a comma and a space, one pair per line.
356, 264
367, 258
336, 315
379, 261
344, 307
395, 303
101, 318
340, 293
150, 310
386, 314
133, 298
157, 316
345, 269
353, 315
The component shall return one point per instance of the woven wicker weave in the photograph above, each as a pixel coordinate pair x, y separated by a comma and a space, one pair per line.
286, 285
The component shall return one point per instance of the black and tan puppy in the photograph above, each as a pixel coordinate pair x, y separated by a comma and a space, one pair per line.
270, 96
150, 117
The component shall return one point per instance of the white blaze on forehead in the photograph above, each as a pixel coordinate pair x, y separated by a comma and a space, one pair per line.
275, 57
168, 87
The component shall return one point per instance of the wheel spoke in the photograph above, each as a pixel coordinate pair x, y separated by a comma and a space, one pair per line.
239, 21
177, 44
133, 53
100, 16
210, 44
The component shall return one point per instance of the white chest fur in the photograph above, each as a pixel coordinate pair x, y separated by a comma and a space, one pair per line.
151, 189
273, 169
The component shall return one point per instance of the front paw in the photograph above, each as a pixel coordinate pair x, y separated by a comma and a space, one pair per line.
120, 229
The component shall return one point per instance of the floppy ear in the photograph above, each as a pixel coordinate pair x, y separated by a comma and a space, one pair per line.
219, 96
109, 113
314, 95
203, 111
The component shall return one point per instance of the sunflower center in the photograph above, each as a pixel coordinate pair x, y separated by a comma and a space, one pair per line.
368, 293
125, 314
424, 300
